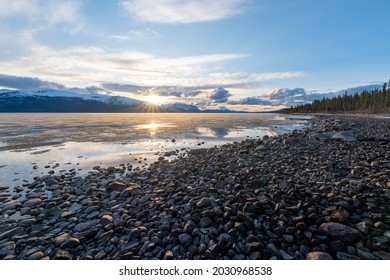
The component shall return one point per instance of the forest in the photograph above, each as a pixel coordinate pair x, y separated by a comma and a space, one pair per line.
371, 102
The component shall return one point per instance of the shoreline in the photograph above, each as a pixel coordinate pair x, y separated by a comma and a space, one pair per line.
294, 196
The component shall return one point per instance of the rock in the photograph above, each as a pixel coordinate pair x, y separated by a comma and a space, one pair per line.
205, 222
285, 255
253, 246
346, 256
133, 190
251, 208
185, 239
62, 255
12, 232
53, 213
318, 256
363, 227
339, 231
204, 202
189, 227
61, 239
106, 220
272, 248
344, 136
382, 255
72, 242
366, 255
36, 256
86, 225
7, 248
116, 186
32, 202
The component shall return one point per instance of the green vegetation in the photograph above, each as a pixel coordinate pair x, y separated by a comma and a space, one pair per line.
375, 101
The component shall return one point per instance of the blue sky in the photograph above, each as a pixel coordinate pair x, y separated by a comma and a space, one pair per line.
242, 51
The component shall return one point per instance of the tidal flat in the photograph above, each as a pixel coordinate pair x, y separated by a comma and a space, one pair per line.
321, 192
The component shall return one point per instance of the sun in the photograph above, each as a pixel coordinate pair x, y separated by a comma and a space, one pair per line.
154, 99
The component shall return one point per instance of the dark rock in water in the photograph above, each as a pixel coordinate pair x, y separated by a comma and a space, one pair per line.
204, 202
344, 136
116, 186
339, 231
185, 239
318, 256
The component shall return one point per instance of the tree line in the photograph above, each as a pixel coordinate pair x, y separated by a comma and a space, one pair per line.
375, 101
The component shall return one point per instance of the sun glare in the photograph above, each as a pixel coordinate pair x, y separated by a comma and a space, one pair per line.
154, 99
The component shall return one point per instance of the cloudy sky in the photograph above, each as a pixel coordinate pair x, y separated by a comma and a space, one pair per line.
246, 54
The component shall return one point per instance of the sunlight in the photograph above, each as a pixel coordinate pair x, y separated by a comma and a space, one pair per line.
154, 99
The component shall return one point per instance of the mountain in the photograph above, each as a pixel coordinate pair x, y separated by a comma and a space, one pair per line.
50, 100
179, 108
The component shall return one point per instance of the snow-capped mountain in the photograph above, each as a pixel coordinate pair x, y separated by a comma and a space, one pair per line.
179, 107
50, 100
109, 99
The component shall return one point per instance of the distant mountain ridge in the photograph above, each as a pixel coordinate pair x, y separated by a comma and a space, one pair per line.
51, 100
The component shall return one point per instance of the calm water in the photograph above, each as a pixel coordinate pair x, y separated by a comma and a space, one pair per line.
62, 142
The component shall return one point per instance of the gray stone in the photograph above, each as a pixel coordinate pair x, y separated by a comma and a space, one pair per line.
86, 225
116, 186
363, 227
62, 255
344, 136
32, 202
346, 256
36, 256
339, 231
61, 239
133, 190
366, 255
204, 202
185, 239
285, 255
205, 222
106, 220
272, 248
12, 232
318, 256
72, 242
382, 255
251, 208
7, 248
53, 213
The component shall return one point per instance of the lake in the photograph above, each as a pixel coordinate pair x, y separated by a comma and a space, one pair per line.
34, 144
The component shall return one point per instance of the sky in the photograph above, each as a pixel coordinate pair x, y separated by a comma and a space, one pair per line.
236, 54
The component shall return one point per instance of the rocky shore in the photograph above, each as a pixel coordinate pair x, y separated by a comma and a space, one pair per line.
319, 193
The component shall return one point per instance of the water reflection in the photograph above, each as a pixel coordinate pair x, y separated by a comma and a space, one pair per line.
81, 141
219, 132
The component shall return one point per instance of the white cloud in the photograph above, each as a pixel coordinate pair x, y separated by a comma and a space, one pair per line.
51, 12
136, 35
183, 11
